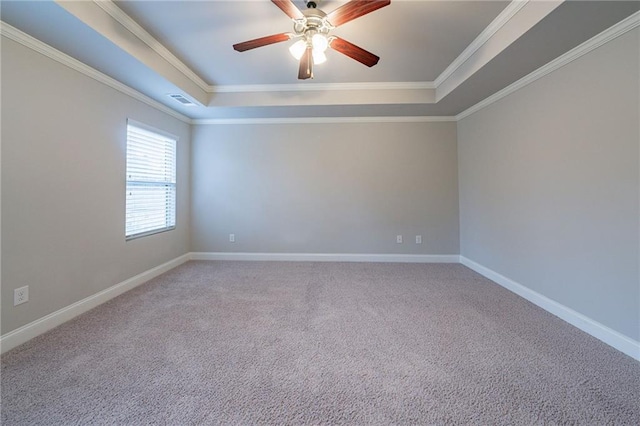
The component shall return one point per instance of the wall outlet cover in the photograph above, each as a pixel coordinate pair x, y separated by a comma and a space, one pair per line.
20, 295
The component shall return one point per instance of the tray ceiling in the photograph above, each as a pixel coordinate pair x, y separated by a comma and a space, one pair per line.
438, 58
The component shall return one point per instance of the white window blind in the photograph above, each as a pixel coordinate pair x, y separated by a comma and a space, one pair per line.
151, 182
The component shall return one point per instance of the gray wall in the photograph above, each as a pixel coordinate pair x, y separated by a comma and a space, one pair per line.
63, 186
325, 188
549, 186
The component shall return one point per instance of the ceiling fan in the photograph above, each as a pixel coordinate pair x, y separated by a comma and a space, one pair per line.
312, 27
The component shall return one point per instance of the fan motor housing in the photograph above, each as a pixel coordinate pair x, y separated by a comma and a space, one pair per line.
314, 20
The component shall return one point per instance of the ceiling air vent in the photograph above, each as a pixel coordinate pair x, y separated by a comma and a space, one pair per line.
184, 101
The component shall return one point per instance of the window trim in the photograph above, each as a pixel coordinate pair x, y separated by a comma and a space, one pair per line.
164, 134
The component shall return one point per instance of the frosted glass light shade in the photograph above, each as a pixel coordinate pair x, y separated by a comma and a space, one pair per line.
319, 57
298, 48
319, 42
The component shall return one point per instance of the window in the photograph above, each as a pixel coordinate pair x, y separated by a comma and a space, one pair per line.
151, 181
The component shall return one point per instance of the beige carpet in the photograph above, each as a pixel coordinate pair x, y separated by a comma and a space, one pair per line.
318, 343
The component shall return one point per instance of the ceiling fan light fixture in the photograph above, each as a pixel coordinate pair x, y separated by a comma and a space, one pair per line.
319, 42
312, 27
298, 48
319, 57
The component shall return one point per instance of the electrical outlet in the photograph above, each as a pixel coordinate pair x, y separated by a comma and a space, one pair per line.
20, 295
418, 239
232, 238
399, 239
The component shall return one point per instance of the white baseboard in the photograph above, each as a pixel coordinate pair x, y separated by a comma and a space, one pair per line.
54, 319
599, 331
594, 328
328, 257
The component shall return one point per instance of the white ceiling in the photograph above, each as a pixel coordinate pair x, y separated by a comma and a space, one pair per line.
423, 36
438, 58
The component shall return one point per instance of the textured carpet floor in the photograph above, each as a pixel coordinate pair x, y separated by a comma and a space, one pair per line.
318, 343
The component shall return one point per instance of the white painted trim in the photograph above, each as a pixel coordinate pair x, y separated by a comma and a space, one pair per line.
613, 32
323, 120
328, 257
32, 43
126, 21
604, 37
46, 323
599, 331
136, 29
310, 87
26, 40
502, 18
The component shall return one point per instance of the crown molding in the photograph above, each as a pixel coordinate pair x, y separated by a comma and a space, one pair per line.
504, 17
323, 120
604, 37
125, 20
36, 45
610, 34
52, 53
302, 87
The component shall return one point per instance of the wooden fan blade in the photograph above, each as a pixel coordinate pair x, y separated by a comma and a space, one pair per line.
289, 8
353, 51
262, 41
354, 9
306, 65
